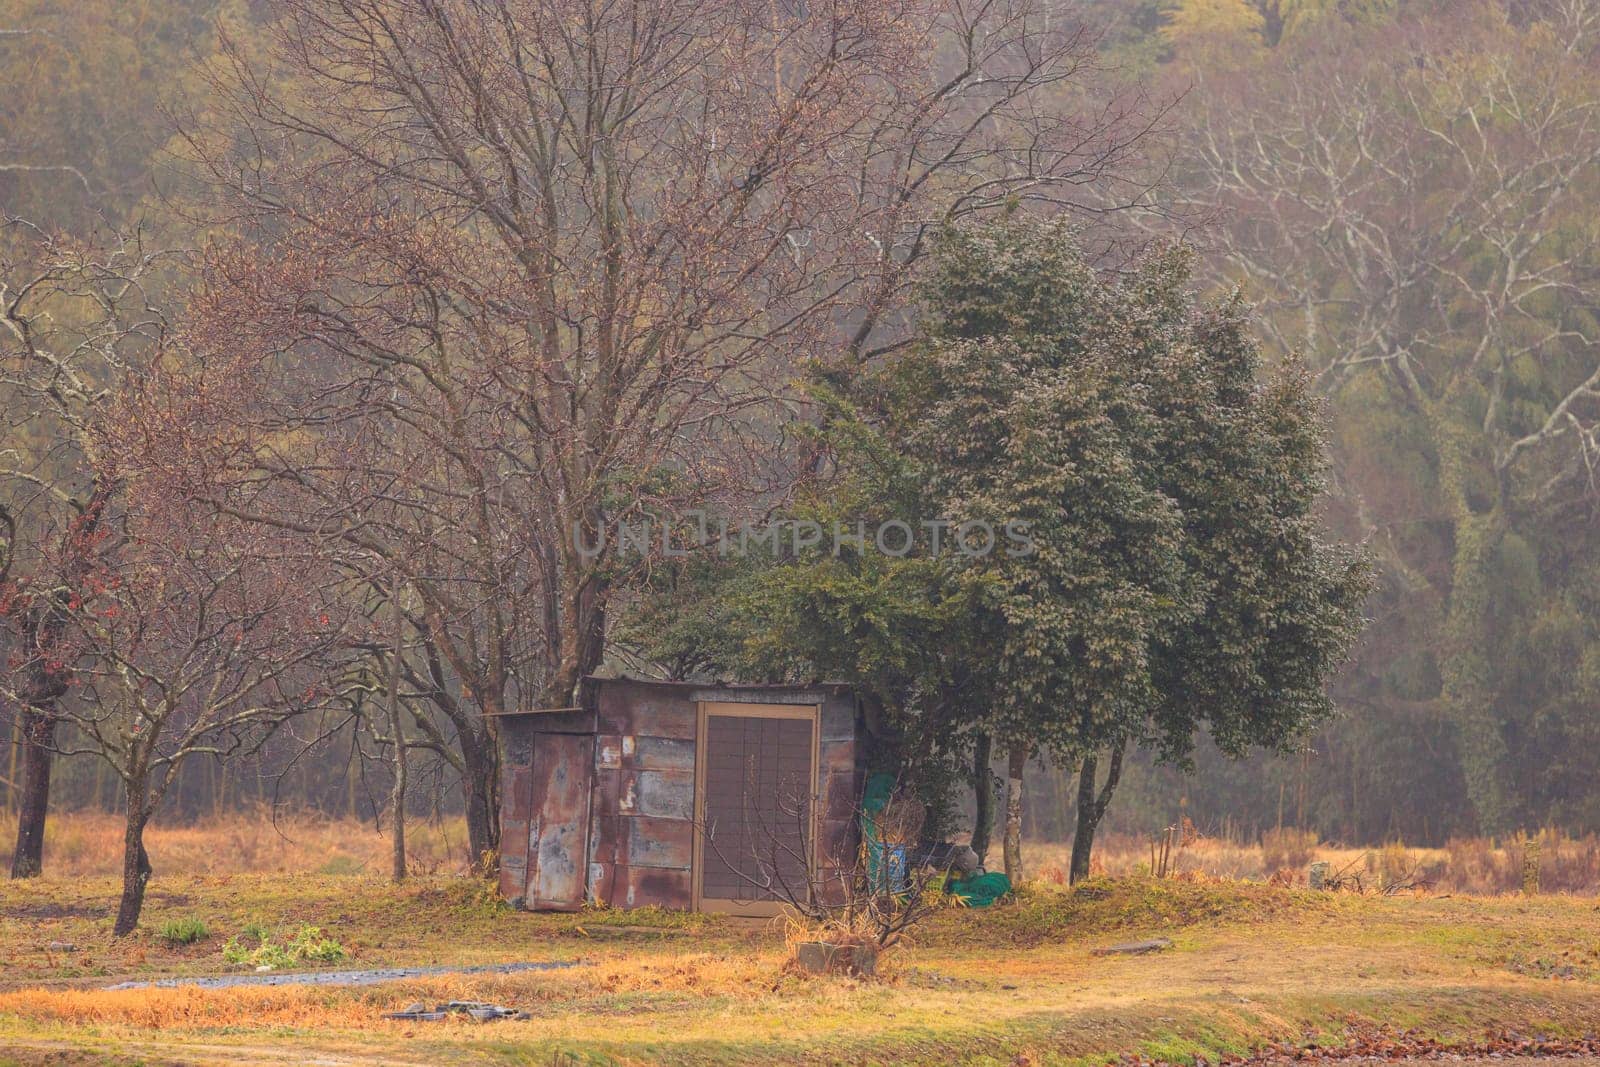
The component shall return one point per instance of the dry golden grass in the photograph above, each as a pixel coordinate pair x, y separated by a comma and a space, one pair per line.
87, 844
1253, 962
1478, 866
742, 975
84, 844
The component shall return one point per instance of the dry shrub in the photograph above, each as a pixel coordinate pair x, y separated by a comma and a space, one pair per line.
1548, 862
1569, 864
1288, 847
837, 935
1396, 867
1477, 865
1473, 865
1222, 858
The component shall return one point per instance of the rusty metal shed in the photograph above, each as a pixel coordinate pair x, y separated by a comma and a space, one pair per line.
657, 793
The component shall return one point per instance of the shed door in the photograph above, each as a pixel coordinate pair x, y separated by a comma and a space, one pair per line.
757, 774
558, 824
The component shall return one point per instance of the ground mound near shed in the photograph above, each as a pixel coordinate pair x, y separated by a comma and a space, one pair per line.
1044, 913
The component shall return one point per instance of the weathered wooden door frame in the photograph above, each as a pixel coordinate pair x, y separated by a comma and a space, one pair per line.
704, 710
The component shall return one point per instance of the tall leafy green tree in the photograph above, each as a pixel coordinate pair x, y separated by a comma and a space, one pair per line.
1171, 483
1126, 499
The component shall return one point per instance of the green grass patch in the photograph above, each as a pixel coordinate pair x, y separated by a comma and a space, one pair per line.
254, 947
184, 931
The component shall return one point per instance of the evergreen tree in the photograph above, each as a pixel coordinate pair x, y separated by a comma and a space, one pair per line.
1170, 576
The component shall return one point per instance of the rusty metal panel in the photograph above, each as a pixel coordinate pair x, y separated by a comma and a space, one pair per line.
514, 839
837, 757
603, 838
513, 878
658, 754
662, 794
602, 880
558, 837
517, 793
841, 796
837, 842
628, 707
837, 721
560, 722
608, 790
636, 753
656, 716
611, 705
647, 842
638, 887
518, 742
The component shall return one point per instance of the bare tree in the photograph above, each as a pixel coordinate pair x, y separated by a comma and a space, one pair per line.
514, 271
195, 640
74, 318
1414, 213
775, 856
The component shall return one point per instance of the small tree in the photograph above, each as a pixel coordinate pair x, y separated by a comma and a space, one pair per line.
194, 643
74, 318
191, 634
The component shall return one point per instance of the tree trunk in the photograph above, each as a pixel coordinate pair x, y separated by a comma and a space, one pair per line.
397, 732
1016, 762
483, 827
983, 794
38, 737
135, 865
1091, 809
1468, 676
41, 630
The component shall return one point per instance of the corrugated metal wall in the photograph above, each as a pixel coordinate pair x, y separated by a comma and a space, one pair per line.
639, 816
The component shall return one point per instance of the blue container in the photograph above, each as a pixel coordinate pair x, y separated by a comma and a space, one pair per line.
887, 868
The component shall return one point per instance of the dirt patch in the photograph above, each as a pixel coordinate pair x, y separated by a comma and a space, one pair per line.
52, 1056
53, 910
1377, 1046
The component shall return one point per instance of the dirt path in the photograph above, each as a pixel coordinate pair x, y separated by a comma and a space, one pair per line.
338, 978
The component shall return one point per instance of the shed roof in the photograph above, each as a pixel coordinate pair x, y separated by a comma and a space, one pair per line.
731, 692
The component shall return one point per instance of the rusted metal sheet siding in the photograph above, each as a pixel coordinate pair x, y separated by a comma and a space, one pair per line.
636, 831
558, 829
841, 777
641, 846
516, 786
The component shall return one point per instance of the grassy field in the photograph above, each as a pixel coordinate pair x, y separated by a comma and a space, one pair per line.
1251, 964
89, 844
